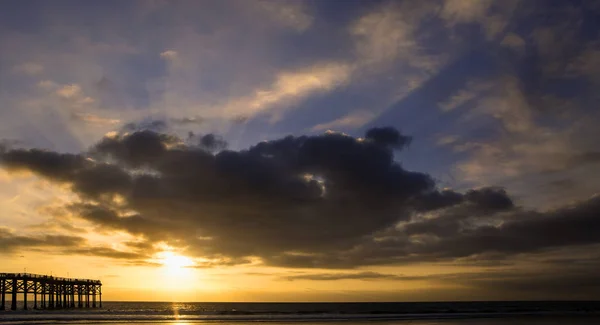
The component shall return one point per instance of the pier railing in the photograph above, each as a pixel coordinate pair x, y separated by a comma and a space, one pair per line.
54, 292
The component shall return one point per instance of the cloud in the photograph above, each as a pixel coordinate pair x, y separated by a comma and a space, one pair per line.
212, 142
292, 14
534, 114
187, 120
457, 234
505, 130
47, 84
106, 252
71, 95
492, 16
287, 89
69, 91
29, 68
388, 33
388, 137
514, 42
352, 120
55, 166
525, 143
472, 90
587, 63
296, 202
563, 184
9, 241
393, 53
169, 55
344, 276
447, 140
526, 231
95, 119
267, 181
73, 104
464, 11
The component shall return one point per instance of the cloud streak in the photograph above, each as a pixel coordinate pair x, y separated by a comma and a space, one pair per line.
344, 276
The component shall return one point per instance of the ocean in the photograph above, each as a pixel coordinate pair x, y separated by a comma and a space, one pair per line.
416, 313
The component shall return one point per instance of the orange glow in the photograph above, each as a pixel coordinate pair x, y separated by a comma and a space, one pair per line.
174, 262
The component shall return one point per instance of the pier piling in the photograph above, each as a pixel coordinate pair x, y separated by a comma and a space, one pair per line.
54, 292
13, 302
3, 293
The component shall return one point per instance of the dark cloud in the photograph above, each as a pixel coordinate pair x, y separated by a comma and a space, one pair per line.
9, 241
100, 179
466, 234
344, 276
208, 142
493, 198
564, 183
141, 148
388, 136
590, 157
528, 231
508, 283
146, 125
55, 166
564, 282
110, 218
212, 142
327, 201
106, 252
486, 198
438, 199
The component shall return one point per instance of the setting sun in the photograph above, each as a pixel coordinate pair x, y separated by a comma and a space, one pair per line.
174, 262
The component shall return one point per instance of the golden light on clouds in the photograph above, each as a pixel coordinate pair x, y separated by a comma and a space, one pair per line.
288, 88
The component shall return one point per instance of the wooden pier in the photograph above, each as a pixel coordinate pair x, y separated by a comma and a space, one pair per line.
49, 292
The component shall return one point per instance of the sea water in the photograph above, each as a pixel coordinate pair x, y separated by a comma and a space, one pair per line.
417, 313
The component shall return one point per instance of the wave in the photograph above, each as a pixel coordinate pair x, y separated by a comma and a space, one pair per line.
116, 312
29, 318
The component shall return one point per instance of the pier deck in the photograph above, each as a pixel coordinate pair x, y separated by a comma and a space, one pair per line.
53, 292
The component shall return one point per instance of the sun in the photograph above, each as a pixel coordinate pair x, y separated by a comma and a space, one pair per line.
173, 262
176, 271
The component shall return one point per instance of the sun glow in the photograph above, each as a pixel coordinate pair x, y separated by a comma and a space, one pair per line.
177, 273
174, 262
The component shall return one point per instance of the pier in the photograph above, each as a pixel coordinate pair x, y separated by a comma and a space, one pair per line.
49, 292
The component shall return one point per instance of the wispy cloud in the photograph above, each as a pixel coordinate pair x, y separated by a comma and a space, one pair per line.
492, 16
352, 120
29, 68
515, 42
95, 119
292, 13
169, 55
388, 33
472, 90
288, 88
365, 276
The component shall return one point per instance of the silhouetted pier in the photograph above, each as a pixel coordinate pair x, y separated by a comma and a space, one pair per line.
53, 292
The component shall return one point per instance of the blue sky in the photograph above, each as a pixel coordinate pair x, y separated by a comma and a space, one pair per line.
494, 93
453, 74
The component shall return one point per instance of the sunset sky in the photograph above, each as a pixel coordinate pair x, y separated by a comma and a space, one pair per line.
303, 150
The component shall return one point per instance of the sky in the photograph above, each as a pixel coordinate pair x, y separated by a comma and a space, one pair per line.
303, 150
